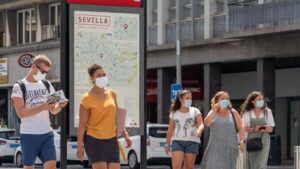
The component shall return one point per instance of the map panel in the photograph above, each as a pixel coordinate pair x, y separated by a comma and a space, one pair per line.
112, 41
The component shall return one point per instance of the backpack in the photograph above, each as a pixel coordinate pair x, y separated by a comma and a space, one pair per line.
23, 87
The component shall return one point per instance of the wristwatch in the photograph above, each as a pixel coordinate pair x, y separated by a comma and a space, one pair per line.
242, 141
167, 145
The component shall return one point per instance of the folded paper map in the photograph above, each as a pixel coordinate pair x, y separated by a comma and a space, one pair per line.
57, 97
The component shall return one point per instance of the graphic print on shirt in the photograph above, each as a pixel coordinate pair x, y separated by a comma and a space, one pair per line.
177, 126
189, 123
35, 97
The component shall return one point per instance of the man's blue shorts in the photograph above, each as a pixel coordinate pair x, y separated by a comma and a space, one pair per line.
37, 145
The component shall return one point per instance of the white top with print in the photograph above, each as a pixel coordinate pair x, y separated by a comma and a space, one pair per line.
185, 125
40, 122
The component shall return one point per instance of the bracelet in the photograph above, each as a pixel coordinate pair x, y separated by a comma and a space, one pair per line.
242, 141
167, 145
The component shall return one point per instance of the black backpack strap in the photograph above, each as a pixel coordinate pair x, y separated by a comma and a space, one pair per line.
233, 116
23, 89
47, 85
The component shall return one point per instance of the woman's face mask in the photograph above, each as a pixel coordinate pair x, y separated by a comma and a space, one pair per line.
187, 103
260, 103
101, 81
224, 104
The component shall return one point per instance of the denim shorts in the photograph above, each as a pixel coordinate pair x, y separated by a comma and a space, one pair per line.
185, 146
37, 145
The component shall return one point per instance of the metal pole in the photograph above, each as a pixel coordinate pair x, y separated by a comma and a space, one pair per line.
64, 53
144, 134
178, 45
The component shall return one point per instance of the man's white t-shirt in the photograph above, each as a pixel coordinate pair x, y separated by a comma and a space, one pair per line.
185, 125
40, 122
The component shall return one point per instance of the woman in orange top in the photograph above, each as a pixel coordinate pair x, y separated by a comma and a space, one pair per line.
97, 127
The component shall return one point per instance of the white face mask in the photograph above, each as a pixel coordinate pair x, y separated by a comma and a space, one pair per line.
101, 81
39, 76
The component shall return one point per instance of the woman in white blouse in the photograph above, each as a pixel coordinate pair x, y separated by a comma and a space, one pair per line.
258, 122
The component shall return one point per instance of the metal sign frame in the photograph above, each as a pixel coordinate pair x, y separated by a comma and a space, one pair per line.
125, 3
67, 52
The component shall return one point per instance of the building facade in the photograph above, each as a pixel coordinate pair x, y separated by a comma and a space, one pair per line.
27, 27
234, 45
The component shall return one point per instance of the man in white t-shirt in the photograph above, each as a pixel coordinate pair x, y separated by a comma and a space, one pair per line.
37, 137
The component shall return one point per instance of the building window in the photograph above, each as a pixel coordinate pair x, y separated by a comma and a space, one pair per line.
172, 11
199, 9
220, 6
26, 26
2, 30
154, 12
187, 9
54, 14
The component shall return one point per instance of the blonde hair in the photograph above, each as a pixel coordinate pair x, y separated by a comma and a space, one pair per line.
216, 97
42, 59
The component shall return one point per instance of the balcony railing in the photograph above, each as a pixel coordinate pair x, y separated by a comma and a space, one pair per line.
186, 30
248, 15
199, 29
171, 32
219, 27
152, 35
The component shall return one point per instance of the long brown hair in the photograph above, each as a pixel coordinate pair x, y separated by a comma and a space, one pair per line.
216, 97
176, 103
248, 105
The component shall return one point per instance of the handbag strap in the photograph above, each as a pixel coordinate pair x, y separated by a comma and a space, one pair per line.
266, 118
262, 134
233, 116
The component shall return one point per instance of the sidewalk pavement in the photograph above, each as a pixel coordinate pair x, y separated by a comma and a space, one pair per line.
125, 167
280, 167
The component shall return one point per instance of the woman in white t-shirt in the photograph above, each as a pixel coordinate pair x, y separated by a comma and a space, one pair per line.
259, 122
185, 129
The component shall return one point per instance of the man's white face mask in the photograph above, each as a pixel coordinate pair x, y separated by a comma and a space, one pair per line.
39, 76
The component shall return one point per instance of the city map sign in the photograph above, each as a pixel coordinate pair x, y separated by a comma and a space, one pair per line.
112, 40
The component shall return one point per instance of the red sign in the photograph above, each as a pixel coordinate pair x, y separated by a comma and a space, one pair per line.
151, 90
125, 3
93, 20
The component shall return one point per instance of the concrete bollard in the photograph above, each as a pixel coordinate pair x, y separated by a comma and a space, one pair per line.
297, 157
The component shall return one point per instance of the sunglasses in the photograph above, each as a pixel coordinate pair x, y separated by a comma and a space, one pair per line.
42, 71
